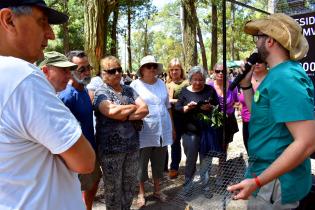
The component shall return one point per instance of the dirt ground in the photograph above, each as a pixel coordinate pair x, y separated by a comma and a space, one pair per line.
174, 189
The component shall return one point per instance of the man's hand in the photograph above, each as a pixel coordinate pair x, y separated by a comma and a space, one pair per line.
243, 189
248, 78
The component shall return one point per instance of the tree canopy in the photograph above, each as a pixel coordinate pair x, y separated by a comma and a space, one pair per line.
131, 29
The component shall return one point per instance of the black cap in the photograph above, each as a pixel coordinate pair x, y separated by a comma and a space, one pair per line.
54, 17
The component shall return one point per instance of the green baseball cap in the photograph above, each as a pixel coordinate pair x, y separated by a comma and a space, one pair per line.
57, 59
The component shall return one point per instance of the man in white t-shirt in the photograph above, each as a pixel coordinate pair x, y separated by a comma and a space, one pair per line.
41, 144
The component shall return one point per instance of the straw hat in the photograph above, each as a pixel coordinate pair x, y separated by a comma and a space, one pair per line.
284, 29
149, 59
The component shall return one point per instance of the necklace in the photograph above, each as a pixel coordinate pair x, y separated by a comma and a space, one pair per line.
256, 79
178, 82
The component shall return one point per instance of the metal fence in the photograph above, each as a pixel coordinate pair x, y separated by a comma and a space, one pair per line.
292, 7
208, 189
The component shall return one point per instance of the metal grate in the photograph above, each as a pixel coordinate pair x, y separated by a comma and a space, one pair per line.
292, 7
208, 188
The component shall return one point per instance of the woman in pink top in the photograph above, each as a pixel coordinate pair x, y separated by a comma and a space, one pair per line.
260, 71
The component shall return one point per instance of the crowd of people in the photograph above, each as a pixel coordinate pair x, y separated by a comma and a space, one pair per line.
62, 130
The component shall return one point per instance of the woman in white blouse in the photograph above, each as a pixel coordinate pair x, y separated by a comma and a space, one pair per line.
156, 134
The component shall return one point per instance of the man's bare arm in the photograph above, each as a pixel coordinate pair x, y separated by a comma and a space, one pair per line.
303, 146
248, 97
80, 157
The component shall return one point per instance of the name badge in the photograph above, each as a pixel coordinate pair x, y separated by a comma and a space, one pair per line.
256, 96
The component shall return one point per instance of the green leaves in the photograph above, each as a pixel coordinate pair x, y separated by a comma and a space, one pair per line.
215, 119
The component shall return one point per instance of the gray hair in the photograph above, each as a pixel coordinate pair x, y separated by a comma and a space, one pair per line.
197, 70
216, 65
22, 10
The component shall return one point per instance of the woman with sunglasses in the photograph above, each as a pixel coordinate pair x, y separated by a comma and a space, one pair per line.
175, 83
259, 73
117, 107
156, 134
231, 99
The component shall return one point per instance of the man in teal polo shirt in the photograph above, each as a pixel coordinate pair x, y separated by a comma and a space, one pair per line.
282, 126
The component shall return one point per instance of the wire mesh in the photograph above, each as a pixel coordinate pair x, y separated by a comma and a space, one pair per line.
208, 189
292, 7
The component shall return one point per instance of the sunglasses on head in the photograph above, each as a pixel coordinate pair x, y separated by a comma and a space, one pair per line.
113, 70
217, 71
150, 65
85, 68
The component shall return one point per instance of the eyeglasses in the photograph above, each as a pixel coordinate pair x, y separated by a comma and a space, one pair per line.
257, 37
113, 70
197, 80
150, 65
85, 68
218, 71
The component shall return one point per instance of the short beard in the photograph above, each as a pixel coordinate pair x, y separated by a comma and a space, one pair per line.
263, 53
85, 81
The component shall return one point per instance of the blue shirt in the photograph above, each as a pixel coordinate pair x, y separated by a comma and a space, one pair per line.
285, 95
81, 107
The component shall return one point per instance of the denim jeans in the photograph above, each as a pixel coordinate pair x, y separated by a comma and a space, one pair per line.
191, 143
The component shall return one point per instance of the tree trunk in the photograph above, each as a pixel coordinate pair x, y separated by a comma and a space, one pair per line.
233, 29
129, 38
182, 31
146, 44
214, 30
113, 48
66, 45
94, 31
271, 6
189, 26
96, 14
202, 47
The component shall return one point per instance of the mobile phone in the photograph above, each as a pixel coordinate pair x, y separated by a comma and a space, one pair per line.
200, 103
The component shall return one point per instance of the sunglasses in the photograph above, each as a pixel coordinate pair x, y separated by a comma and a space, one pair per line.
217, 71
113, 70
150, 65
85, 68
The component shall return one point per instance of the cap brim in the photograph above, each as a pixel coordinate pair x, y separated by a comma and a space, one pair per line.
54, 17
65, 64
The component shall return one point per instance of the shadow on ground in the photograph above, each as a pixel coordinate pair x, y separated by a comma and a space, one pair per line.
197, 198
170, 187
